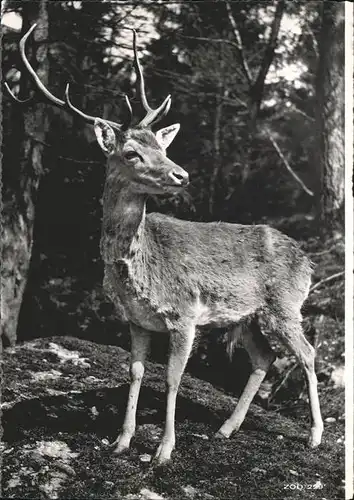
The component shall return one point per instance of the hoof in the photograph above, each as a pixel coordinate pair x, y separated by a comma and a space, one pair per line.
160, 461
312, 443
315, 438
163, 455
220, 435
120, 445
224, 432
119, 450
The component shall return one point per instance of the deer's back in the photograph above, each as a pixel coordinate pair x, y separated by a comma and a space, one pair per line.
220, 253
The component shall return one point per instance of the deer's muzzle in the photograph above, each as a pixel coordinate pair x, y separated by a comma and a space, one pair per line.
179, 177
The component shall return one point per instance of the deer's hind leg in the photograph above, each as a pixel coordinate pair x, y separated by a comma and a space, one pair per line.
289, 329
261, 356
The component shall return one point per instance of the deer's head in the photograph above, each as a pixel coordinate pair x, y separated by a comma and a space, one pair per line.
138, 158
135, 154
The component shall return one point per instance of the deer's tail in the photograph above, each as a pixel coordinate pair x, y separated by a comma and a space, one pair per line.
234, 338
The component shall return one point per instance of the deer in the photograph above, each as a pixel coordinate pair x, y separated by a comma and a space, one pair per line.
171, 276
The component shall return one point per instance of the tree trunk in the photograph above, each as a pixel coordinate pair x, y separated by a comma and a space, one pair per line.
21, 174
217, 157
330, 118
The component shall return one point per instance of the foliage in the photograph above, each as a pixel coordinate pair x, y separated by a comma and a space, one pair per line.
64, 293
200, 74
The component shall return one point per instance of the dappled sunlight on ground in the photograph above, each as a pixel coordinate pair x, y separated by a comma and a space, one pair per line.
59, 417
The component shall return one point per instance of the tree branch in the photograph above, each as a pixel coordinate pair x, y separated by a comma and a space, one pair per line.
282, 383
326, 280
288, 167
323, 252
206, 39
179, 84
215, 40
84, 162
239, 46
240, 106
116, 22
257, 89
298, 110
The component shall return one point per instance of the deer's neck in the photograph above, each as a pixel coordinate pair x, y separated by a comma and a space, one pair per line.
123, 235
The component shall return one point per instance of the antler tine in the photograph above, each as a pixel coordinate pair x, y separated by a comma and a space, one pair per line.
40, 86
37, 81
129, 106
139, 75
128, 122
116, 126
74, 110
157, 114
67, 105
152, 115
16, 99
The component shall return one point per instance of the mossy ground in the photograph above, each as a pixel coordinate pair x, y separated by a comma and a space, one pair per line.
55, 399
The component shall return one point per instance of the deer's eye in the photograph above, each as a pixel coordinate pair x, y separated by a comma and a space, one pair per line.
132, 155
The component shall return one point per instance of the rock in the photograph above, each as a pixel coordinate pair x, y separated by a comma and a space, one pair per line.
55, 449
150, 495
189, 491
265, 390
94, 412
51, 487
338, 377
330, 420
65, 355
257, 470
201, 436
91, 378
43, 376
14, 482
38, 459
318, 485
6, 405
65, 468
6, 452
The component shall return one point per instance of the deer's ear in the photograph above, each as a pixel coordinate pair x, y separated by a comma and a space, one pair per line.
165, 136
105, 136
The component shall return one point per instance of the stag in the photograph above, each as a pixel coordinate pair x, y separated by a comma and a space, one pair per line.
172, 276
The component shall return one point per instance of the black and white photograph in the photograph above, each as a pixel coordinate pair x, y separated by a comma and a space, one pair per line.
177, 250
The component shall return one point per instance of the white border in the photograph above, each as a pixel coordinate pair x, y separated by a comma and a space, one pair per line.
349, 352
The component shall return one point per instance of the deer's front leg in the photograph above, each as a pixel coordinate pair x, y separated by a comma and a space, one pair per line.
140, 343
180, 349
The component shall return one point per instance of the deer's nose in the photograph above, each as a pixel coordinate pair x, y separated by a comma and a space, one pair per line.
179, 177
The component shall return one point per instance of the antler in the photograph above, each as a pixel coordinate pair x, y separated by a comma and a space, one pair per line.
67, 105
16, 99
152, 115
78, 112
